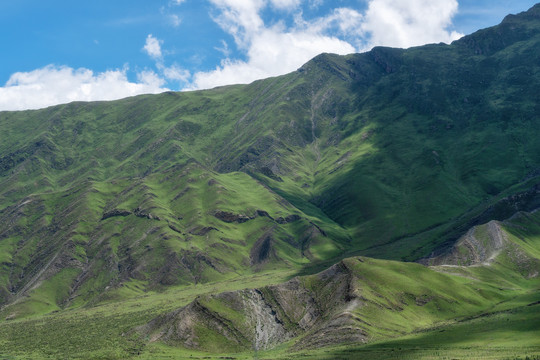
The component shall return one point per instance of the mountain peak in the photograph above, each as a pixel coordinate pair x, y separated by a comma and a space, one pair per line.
512, 29
392, 154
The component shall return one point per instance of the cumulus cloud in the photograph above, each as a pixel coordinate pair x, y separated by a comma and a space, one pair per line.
267, 47
270, 50
343, 22
273, 49
240, 18
408, 23
271, 53
53, 85
153, 47
175, 72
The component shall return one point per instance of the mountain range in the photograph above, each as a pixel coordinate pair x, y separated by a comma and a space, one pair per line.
380, 204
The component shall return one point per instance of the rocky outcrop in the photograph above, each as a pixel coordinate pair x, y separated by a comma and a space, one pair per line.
264, 214
201, 231
319, 311
180, 326
489, 243
114, 213
267, 171
506, 207
480, 245
269, 329
287, 219
123, 213
388, 59
230, 217
145, 214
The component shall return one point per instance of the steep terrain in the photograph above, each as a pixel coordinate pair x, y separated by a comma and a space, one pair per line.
347, 303
419, 154
377, 309
180, 226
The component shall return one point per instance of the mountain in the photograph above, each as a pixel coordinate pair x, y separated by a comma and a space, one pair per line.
215, 211
361, 300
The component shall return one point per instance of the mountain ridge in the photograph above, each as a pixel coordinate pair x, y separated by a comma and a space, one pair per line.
394, 154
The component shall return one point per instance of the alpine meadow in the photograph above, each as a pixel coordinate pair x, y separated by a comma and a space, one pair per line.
380, 205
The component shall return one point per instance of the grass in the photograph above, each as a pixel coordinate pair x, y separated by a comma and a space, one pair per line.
105, 331
162, 230
391, 154
511, 334
462, 318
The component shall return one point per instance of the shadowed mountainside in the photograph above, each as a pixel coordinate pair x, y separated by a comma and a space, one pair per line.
360, 300
416, 154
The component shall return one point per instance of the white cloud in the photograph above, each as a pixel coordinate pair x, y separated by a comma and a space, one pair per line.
346, 20
175, 72
268, 48
224, 48
272, 53
314, 4
273, 49
153, 47
151, 79
175, 20
408, 23
285, 4
53, 85
343, 22
240, 18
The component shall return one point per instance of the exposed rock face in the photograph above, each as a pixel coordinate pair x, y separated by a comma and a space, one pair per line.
264, 214
201, 231
319, 311
505, 208
266, 171
287, 219
137, 212
145, 214
180, 326
269, 330
480, 245
261, 330
114, 213
229, 217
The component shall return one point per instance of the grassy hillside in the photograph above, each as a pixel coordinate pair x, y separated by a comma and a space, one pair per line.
481, 308
387, 144
373, 308
124, 211
180, 226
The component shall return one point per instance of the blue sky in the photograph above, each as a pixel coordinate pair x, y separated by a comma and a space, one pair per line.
58, 51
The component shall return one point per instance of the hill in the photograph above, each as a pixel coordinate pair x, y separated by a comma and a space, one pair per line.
398, 154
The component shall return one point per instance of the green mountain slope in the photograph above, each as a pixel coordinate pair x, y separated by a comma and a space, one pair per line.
393, 154
378, 309
491, 272
180, 226
418, 136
